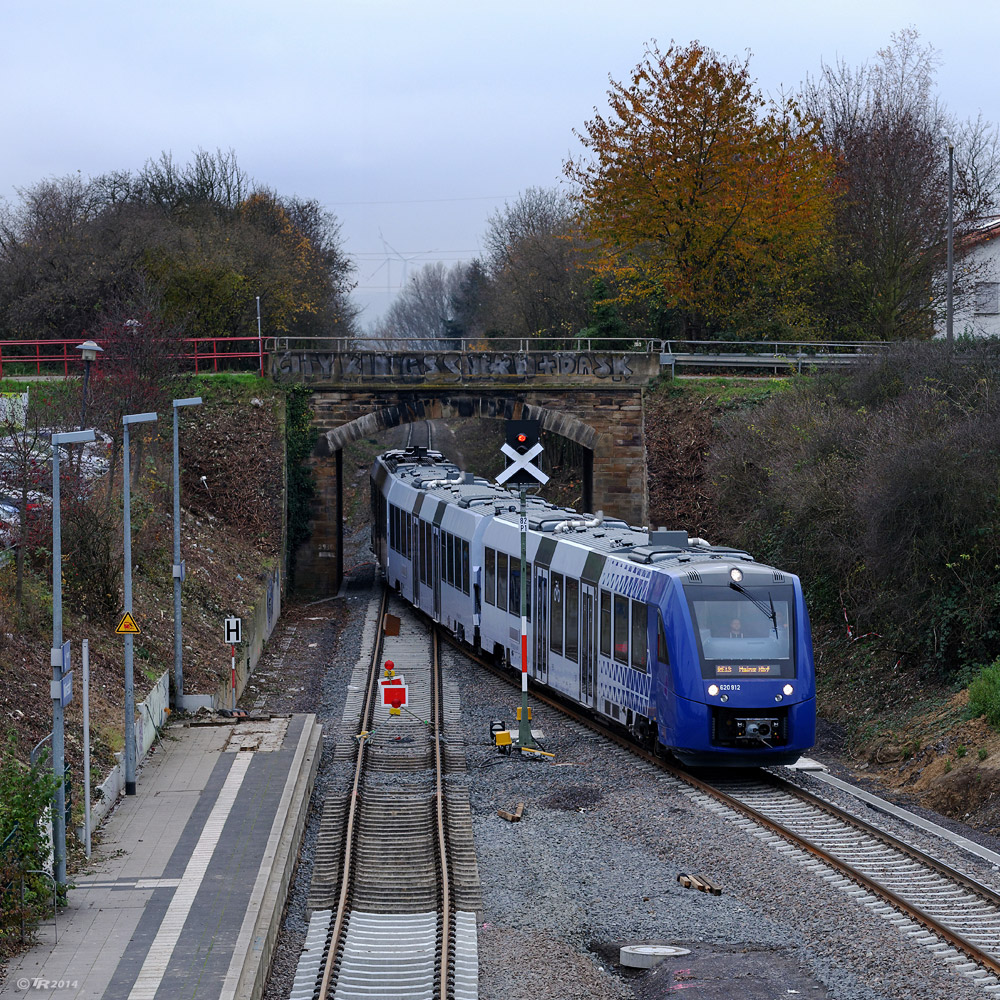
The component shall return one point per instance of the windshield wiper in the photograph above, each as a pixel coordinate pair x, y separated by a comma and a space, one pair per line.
767, 610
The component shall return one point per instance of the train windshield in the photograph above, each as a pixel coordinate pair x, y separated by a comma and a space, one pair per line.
737, 635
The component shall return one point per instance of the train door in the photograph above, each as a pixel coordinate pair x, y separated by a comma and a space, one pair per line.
416, 554
435, 564
541, 610
588, 660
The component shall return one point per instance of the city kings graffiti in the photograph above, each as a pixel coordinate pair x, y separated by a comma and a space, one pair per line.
453, 367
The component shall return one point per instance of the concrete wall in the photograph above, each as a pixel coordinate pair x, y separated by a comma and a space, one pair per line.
150, 716
257, 629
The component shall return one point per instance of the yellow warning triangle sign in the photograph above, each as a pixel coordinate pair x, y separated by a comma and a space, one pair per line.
127, 625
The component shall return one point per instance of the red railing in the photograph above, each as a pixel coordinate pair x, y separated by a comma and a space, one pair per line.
55, 357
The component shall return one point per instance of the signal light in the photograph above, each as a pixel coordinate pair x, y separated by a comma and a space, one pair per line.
521, 445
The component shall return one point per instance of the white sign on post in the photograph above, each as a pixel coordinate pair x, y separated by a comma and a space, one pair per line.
522, 463
234, 630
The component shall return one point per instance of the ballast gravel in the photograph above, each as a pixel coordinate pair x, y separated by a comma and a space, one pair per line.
593, 863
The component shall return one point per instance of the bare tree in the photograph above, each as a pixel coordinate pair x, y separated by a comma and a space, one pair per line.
423, 314
537, 287
890, 135
23, 470
141, 356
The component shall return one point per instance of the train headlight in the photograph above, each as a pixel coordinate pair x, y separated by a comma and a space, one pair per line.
736, 574
788, 689
713, 689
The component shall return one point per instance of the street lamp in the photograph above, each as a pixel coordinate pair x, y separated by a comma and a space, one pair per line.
58, 659
89, 354
127, 421
178, 568
949, 314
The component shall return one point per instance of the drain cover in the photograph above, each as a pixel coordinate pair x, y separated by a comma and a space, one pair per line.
645, 956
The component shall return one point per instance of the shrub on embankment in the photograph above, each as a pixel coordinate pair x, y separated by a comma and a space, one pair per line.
881, 488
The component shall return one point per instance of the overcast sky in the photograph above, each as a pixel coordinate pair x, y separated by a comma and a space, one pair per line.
413, 122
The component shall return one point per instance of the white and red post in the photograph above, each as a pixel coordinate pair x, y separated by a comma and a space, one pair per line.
524, 727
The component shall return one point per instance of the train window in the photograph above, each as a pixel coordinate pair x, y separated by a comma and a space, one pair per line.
465, 567
451, 559
605, 623
556, 614
621, 628
639, 636
394, 538
662, 653
572, 618
502, 581
490, 585
515, 587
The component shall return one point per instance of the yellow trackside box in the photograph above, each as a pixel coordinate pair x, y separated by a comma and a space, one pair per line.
502, 739
519, 714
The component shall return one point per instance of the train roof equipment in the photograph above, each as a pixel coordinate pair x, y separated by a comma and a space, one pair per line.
431, 472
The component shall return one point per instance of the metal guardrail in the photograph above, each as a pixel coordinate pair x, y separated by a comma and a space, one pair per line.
201, 354
788, 356
604, 345
61, 357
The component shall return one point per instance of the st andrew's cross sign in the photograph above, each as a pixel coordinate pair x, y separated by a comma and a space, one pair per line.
521, 447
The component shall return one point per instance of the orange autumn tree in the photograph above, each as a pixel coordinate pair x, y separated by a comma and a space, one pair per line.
705, 199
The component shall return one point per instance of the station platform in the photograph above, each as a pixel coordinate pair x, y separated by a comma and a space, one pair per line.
187, 881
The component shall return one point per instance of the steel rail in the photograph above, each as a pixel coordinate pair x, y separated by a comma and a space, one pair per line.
345, 873
438, 695
983, 891
982, 958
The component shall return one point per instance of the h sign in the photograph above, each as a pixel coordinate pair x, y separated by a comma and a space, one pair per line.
234, 630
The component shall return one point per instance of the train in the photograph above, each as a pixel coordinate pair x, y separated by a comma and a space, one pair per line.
694, 649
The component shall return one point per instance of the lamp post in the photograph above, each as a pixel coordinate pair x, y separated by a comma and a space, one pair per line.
950, 319
127, 421
178, 568
260, 340
89, 354
58, 737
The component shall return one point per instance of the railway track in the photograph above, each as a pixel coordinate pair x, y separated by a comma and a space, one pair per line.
412, 434
395, 886
951, 913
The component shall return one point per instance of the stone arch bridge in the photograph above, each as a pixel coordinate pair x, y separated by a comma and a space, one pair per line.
592, 398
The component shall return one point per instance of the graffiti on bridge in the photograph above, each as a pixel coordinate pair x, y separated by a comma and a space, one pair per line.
453, 367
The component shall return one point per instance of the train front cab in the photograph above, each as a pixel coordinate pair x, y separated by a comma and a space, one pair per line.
736, 687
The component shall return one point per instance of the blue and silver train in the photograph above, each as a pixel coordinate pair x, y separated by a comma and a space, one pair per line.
695, 647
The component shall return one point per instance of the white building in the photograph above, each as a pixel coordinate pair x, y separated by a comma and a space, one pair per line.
976, 309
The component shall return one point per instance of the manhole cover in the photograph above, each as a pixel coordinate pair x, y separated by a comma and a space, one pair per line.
645, 956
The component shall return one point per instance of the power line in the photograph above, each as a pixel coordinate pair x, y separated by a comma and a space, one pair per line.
424, 201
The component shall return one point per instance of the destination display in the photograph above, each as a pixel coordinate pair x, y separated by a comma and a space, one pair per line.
747, 669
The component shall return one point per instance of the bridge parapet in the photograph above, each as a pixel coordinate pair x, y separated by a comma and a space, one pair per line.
528, 368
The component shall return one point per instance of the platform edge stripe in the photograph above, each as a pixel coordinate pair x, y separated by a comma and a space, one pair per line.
251, 959
165, 941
